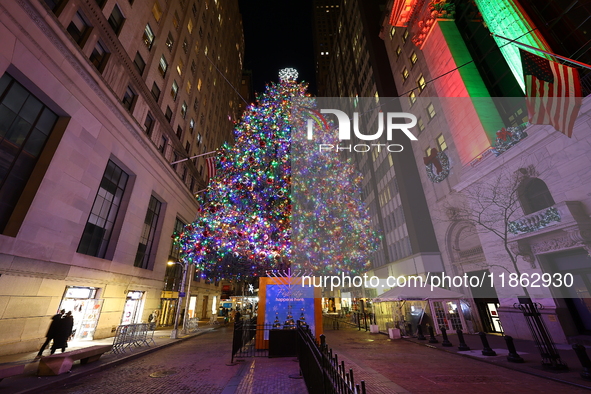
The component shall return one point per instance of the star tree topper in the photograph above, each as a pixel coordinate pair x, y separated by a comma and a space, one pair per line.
288, 74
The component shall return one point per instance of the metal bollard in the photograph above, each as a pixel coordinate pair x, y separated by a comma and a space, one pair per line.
420, 335
432, 338
486, 350
512, 356
584, 359
463, 347
445, 342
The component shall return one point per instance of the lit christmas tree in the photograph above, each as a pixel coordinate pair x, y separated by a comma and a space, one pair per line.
254, 201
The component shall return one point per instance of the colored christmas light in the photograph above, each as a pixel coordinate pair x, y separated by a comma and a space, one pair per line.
248, 213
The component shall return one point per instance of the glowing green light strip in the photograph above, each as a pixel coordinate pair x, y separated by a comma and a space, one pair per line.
506, 18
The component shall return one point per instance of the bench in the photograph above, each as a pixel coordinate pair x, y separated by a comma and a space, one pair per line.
11, 370
57, 364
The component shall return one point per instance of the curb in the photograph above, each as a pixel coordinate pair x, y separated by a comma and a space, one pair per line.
71, 377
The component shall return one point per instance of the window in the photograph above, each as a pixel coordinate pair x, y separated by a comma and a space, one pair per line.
163, 66
404, 73
169, 41
26, 124
431, 111
190, 26
413, 58
129, 98
184, 110
155, 91
196, 104
179, 132
412, 97
185, 46
420, 124
144, 249
116, 19
189, 87
78, 28
192, 125
139, 62
179, 67
175, 248
149, 124
175, 159
174, 90
168, 114
441, 143
148, 36
421, 82
398, 51
199, 84
99, 56
163, 143
157, 12
194, 9
535, 196
54, 5
193, 67
392, 32
405, 36
187, 147
99, 226
428, 152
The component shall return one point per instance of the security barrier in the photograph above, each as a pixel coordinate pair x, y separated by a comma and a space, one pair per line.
132, 335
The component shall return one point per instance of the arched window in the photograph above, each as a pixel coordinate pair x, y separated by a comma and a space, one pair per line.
536, 196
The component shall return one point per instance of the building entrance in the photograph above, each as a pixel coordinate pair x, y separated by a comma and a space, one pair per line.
85, 309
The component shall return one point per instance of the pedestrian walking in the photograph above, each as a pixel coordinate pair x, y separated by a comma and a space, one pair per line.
51, 331
237, 315
64, 331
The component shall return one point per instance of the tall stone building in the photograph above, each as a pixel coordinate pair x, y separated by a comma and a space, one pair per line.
97, 99
358, 71
466, 88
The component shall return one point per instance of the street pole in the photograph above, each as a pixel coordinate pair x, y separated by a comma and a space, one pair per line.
174, 333
187, 299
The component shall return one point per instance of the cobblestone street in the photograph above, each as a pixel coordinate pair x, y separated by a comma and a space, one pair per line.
198, 366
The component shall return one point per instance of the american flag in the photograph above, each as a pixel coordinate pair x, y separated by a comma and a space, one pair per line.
210, 161
552, 91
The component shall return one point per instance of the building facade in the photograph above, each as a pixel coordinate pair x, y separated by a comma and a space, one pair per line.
97, 99
466, 87
357, 70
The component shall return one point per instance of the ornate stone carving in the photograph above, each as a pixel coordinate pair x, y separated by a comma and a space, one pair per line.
525, 251
555, 244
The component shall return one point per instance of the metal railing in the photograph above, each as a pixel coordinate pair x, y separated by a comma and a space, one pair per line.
321, 370
250, 339
132, 335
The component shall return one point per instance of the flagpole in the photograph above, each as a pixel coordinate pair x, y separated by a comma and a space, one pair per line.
581, 64
193, 157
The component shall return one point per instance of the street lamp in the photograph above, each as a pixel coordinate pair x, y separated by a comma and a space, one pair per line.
174, 333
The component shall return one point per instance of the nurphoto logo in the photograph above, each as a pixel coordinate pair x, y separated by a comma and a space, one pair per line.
392, 127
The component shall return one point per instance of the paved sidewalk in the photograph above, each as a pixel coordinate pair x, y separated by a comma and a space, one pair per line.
29, 382
408, 365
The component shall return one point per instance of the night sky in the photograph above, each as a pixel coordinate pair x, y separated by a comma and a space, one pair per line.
278, 34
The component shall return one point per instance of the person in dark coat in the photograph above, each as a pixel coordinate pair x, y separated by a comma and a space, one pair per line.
52, 331
63, 333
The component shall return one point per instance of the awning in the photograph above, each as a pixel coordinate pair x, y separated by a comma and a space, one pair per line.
417, 293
